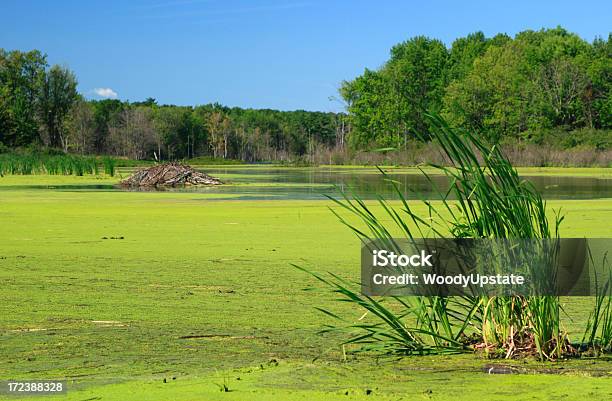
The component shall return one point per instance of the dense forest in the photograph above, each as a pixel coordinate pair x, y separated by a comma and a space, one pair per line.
538, 84
547, 87
39, 106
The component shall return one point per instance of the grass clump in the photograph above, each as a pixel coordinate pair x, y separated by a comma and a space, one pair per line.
597, 337
29, 164
489, 200
109, 166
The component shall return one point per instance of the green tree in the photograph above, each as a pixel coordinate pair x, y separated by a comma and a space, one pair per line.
388, 105
463, 52
562, 91
80, 127
107, 113
20, 74
57, 95
369, 108
537, 80
494, 96
599, 93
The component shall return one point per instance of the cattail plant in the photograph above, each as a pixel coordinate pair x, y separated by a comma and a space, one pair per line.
486, 199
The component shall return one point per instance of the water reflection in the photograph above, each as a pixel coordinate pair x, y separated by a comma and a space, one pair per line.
315, 183
369, 184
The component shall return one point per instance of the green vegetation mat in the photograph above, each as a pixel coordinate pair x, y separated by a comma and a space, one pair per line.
117, 291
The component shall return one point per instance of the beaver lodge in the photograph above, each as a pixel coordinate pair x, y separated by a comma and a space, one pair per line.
169, 174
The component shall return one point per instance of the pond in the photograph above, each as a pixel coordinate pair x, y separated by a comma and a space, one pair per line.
315, 183
286, 183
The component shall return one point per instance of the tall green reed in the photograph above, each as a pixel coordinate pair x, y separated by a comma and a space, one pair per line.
598, 331
486, 199
27, 164
109, 166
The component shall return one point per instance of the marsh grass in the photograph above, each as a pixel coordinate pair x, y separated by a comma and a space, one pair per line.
28, 164
109, 166
597, 336
490, 201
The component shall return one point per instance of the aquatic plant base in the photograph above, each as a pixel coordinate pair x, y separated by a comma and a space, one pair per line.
169, 174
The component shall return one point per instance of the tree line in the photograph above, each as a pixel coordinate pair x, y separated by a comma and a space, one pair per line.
538, 87
35, 100
40, 106
539, 83
142, 130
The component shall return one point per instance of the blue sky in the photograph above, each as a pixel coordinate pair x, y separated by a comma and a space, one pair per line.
285, 54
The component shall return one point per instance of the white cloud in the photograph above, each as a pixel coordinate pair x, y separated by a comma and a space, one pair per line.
107, 93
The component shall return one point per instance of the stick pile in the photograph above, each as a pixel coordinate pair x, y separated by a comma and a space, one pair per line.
169, 174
